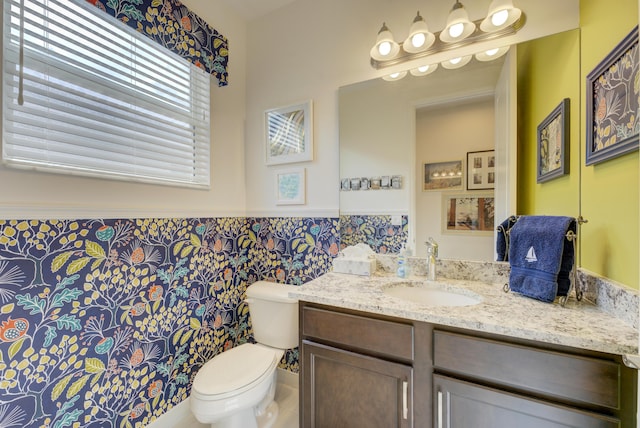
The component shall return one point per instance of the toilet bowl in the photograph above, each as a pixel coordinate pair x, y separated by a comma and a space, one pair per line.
236, 388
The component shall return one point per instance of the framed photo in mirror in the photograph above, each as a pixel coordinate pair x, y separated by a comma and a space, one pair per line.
468, 213
481, 170
553, 144
289, 134
442, 175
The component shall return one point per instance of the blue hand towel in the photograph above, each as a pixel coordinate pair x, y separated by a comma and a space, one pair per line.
541, 256
502, 240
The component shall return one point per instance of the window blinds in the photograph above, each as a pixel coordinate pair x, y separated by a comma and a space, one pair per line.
99, 99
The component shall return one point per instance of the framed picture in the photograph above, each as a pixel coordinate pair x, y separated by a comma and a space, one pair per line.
553, 143
290, 186
355, 184
481, 170
612, 103
289, 134
375, 183
345, 184
470, 213
442, 175
365, 183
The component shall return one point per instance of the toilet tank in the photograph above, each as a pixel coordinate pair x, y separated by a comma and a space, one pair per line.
274, 315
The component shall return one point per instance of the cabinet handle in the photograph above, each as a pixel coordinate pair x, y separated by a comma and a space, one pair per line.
439, 409
405, 403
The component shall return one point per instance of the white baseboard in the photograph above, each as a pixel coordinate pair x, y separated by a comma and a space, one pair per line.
288, 378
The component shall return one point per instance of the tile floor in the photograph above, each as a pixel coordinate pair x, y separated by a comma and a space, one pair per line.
287, 399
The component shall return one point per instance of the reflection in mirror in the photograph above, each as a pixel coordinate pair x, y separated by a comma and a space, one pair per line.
455, 214
379, 137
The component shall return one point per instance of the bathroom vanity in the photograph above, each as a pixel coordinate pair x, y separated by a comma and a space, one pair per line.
504, 362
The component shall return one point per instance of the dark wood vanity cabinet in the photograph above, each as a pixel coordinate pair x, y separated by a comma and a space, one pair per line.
364, 370
480, 382
359, 371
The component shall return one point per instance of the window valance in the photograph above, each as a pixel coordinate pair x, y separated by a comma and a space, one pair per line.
174, 26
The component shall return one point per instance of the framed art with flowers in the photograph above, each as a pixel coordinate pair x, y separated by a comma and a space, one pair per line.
553, 143
612, 103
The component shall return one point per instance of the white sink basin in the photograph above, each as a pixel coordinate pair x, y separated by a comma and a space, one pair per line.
431, 295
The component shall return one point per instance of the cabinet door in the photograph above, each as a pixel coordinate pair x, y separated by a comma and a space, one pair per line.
460, 404
342, 389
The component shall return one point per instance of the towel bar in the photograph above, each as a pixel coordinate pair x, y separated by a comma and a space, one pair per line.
571, 236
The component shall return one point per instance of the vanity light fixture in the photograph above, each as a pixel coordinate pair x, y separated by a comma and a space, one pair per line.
491, 54
419, 38
395, 76
423, 70
501, 14
503, 19
458, 25
457, 62
385, 47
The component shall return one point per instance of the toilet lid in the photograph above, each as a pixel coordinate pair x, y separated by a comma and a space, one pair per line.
234, 369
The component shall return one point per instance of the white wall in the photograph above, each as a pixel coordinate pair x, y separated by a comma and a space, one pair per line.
308, 49
28, 194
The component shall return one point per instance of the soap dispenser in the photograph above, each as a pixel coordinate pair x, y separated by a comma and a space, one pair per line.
403, 266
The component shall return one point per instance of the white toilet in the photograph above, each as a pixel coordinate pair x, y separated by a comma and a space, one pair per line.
235, 389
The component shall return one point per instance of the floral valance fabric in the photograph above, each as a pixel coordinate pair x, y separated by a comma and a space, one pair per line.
174, 26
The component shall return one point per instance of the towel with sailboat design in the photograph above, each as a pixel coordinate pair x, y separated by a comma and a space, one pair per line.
541, 257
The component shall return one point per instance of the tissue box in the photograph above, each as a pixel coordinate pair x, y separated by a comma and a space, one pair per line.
354, 266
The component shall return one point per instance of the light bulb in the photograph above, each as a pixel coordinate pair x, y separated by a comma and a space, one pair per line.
500, 17
418, 40
423, 68
492, 52
454, 61
384, 48
456, 30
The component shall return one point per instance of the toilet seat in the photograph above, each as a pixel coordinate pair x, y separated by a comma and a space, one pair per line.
234, 371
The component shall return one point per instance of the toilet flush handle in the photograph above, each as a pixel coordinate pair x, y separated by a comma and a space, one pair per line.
249, 300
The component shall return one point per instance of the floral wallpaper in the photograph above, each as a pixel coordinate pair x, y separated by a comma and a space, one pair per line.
172, 25
104, 323
377, 231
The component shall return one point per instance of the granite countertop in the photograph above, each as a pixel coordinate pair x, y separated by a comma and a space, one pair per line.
577, 324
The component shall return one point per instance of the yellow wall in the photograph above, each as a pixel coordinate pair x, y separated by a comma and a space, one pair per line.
548, 71
609, 189
606, 194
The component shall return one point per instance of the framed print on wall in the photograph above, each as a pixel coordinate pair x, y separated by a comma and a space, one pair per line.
468, 213
481, 170
613, 122
442, 175
289, 134
553, 144
290, 187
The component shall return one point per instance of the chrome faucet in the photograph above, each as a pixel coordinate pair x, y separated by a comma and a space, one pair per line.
432, 256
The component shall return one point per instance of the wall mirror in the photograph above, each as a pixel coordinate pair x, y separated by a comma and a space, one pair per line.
397, 128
